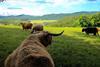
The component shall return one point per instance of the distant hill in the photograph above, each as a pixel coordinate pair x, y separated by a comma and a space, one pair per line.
45, 17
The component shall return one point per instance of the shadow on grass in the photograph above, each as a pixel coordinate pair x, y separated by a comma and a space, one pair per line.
69, 51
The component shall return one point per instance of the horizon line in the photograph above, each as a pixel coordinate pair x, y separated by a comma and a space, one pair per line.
51, 13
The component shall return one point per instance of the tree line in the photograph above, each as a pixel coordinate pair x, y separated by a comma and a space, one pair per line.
90, 21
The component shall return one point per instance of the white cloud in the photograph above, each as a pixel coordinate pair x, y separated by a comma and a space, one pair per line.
34, 11
66, 2
27, 11
38, 7
26, 7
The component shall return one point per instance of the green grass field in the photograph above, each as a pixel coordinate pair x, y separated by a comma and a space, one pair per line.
72, 49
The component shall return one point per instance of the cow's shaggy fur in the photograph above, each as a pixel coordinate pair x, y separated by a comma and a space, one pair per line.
90, 30
32, 52
38, 27
26, 26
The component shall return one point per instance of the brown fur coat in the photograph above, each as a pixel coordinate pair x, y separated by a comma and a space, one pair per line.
31, 53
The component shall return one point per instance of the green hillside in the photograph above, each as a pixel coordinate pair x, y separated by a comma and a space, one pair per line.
65, 20
68, 21
46, 17
83, 20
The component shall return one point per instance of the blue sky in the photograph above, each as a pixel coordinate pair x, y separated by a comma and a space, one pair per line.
42, 7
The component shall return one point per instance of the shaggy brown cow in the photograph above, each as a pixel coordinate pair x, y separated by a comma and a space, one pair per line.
37, 28
26, 25
89, 30
32, 52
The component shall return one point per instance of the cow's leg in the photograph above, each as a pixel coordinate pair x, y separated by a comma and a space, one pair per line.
94, 33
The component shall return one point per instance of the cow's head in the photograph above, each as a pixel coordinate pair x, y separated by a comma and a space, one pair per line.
83, 29
45, 37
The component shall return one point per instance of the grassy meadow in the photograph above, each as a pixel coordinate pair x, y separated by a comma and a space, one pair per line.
72, 49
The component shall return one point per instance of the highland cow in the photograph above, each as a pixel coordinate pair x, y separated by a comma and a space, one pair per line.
26, 26
32, 52
90, 30
37, 28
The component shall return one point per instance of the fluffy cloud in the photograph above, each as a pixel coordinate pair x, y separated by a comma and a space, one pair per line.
39, 7
66, 2
13, 7
27, 11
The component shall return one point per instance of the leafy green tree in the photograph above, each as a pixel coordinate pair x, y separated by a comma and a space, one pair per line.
85, 21
95, 18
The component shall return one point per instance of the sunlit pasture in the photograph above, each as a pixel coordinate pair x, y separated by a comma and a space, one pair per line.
72, 49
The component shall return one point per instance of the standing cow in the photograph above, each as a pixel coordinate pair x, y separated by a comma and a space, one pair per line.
89, 30
26, 25
38, 27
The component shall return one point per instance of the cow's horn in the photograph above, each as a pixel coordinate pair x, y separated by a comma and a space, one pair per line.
56, 34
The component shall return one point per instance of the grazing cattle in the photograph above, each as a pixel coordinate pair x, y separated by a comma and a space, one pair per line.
26, 25
32, 52
89, 30
37, 28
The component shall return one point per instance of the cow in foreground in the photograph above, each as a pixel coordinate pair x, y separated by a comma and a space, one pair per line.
90, 30
32, 52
